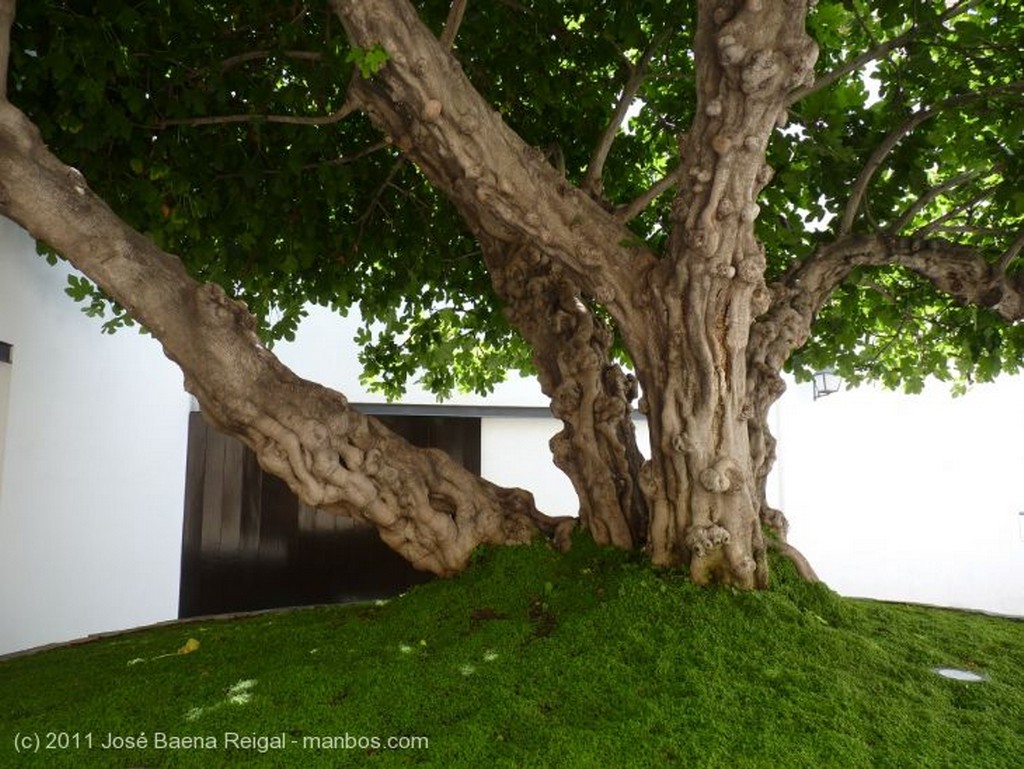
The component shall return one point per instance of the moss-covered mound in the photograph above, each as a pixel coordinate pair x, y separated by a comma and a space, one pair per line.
530, 659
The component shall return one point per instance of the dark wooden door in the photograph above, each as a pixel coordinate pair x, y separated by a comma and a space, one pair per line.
249, 544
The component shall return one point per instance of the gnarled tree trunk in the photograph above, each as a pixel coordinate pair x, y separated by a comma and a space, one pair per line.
596, 447
688, 317
703, 482
685, 317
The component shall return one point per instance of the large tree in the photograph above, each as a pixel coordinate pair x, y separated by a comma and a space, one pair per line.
702, 193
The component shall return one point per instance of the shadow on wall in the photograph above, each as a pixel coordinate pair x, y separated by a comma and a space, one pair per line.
249, 544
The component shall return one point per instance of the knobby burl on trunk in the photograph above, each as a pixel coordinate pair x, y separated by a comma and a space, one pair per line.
592, 396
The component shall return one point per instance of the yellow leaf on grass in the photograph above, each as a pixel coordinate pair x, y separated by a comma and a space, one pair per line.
190, 646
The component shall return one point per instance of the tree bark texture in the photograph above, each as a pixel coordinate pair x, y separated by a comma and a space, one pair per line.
593, 397
703, 480
549, 248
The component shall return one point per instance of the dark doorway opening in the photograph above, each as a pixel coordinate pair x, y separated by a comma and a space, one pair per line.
248, 543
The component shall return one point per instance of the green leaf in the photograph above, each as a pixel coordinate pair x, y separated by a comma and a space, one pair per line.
368, 60
281, 215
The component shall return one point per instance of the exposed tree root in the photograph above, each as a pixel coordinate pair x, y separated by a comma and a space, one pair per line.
803, 567
559, 529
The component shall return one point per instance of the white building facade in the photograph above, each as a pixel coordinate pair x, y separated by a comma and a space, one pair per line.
889, 496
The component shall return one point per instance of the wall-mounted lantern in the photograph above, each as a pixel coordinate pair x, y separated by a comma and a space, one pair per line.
826, 382
5, 390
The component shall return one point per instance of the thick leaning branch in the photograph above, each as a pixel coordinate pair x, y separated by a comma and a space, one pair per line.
425, 506
548, 247
960, 271
504, 189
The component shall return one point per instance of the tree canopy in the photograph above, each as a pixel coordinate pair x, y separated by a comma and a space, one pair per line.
226, 134
708, 192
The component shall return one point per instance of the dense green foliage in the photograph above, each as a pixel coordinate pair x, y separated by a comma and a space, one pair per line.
891, 325
537, 659
284, 214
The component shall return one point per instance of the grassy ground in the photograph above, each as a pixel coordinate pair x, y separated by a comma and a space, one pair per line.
533, 659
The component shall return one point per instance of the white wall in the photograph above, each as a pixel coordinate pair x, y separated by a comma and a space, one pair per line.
514, 452
913, 498
93, 473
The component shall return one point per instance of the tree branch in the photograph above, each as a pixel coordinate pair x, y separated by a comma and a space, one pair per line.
963, 273
233, 61
873, 164
516, 6
937, 223
346, 159
243, 58
851, 66
452, 24
1011, 253
631, 210
875, 53
638, 73
960, 271
375, 198
504, 189
930, 196
960, 229
889, 142
337, 116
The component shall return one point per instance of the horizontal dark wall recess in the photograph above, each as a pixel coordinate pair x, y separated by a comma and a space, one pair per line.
249, 544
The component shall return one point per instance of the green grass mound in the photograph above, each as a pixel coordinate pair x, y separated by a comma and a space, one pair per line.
535, 659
